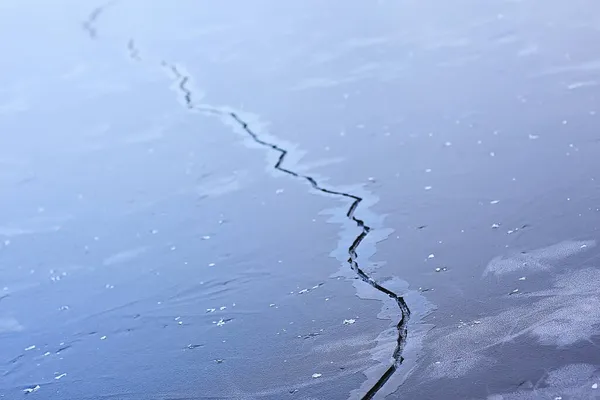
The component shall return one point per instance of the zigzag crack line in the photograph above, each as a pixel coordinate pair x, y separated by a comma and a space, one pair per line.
182, 81
89, 24
401, 326
352, 251
134, 53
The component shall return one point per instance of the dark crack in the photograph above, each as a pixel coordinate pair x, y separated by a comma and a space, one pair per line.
89, 25
182, 82
352, 252
134, 53
182, 85
401, 326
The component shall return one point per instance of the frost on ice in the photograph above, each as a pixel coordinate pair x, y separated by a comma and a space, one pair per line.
565, 314
569, 382
537, 260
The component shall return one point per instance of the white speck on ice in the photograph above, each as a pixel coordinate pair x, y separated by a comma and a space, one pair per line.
349, 321
522, 278
212, 264
103, 338
495, 226
448, 144
595, 386
427, 187
279, 191
211, 310
221, 322
533, 137
60, 376
30, 347
431, 256
317, 375
494, 201
428, 170
205, 237
222, 308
